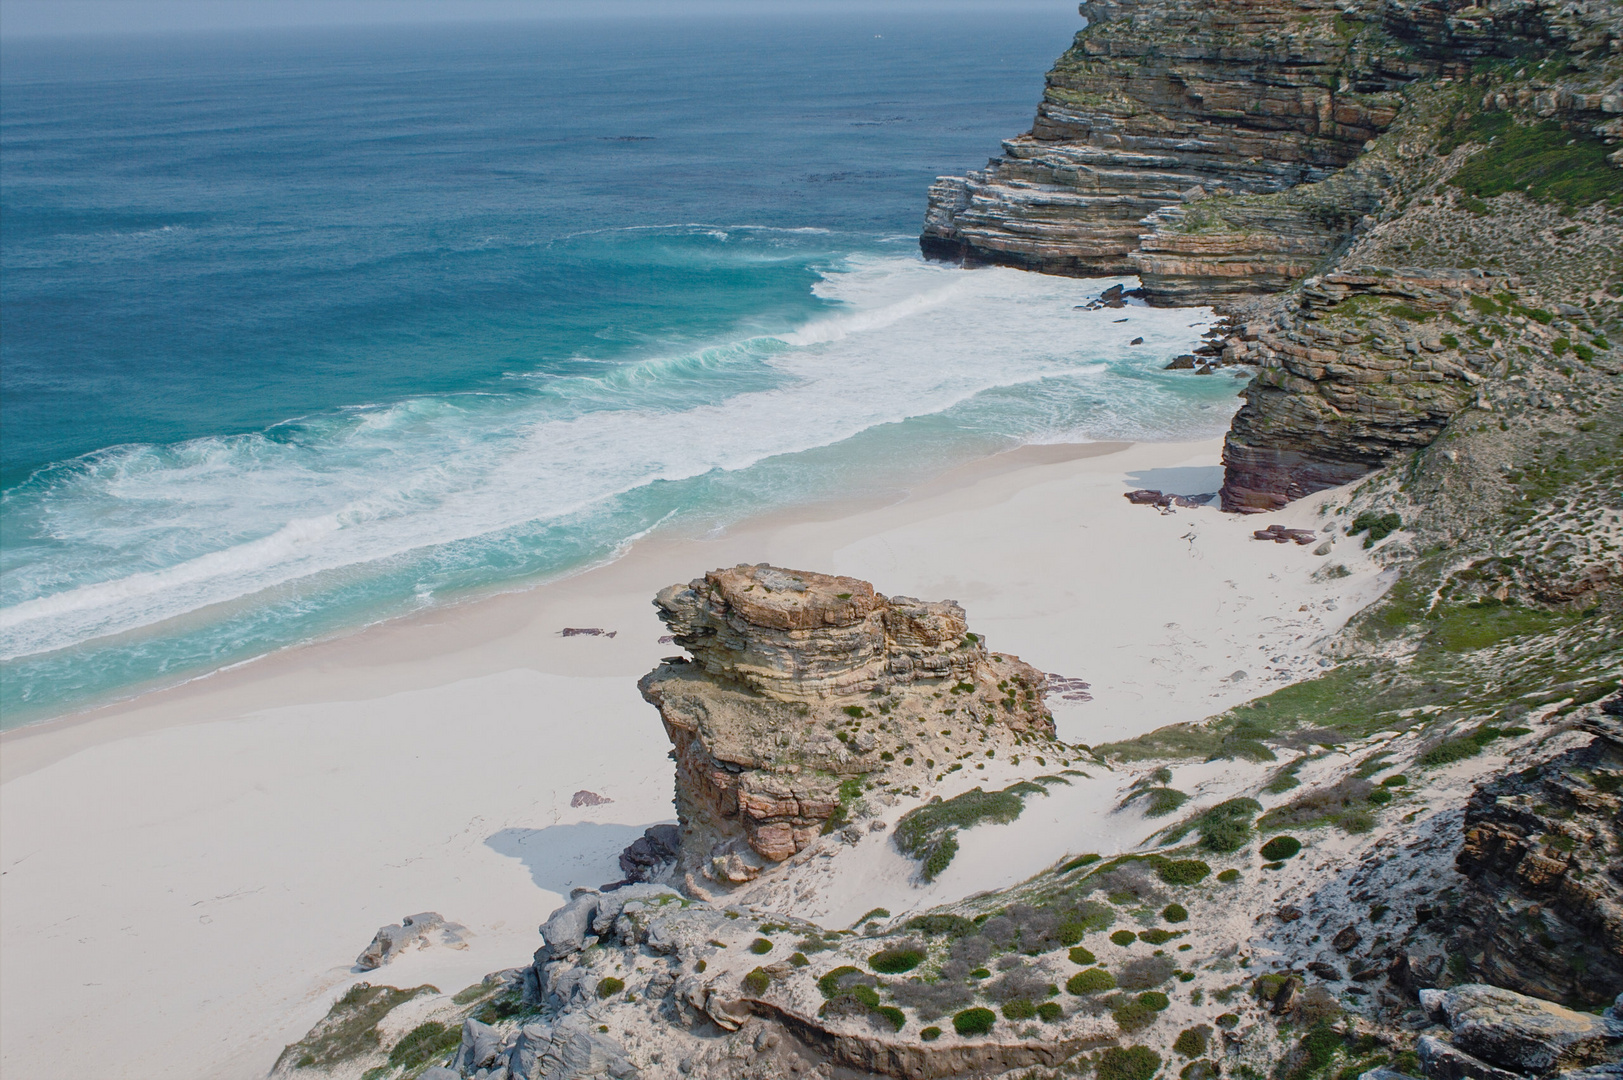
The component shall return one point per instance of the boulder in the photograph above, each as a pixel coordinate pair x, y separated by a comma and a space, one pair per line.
423, 929
480, 1046
1440, 1060
1518, 1032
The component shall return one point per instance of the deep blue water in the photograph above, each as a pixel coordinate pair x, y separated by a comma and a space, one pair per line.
303, 331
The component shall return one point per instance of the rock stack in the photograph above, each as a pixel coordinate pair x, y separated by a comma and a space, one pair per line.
807, 694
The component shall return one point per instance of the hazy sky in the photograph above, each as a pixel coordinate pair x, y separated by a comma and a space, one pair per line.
25, 18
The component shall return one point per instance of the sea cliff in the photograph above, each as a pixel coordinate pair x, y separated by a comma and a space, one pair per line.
1237, 154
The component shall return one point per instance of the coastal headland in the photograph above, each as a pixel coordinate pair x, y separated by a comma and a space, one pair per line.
1068, 762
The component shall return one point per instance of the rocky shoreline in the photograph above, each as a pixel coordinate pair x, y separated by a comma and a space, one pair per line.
1410, 864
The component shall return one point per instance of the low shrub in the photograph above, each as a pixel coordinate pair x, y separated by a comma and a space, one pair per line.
1175, 913
1128, 1063
1154, 999
1379, 526
1229, 877
424, 1043
1090, 981
1192, 1042
1199, 1070
1124, 938
897, 1018
1019, 1009
941, 925
1134, 1017
975, 1021
799, 960
608, 987
832, 983
1156, 936
757, 981
896, 961
1395, 781
930, 1034
1079, 862
1080, 955
930, 832
1050, 1012
1227, 826
760, 946
1281, 847
1184, 871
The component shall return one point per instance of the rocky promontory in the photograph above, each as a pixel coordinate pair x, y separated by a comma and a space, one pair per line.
1376, 160
805, 690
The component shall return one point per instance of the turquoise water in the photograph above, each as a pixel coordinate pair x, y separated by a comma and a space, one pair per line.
302, 332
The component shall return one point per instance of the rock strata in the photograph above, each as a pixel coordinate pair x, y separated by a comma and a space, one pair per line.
1158, 104
1545, 916
805, 693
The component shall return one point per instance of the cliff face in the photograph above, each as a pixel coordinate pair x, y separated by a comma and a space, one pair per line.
1546, 914
1383, 160
1159, 103
807, 693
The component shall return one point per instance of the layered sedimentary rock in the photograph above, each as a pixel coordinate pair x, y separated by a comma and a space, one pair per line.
1545, 916
1363, 367
1160, 103
807, 692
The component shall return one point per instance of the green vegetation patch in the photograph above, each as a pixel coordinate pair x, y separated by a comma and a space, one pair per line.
1080, 955
975, 1021
954, 926
423, 1044
1134, 1017
896, 961
850, 791
897, 1018
930, 1034
1183, 871
1545, 162
760, 946
1192, 1042
930, 833
350, 1028
1175, 913
609, 986
1229, 877
757, 981
831, 984
1128, 1063
1281, 847
1091, 981
1124, 938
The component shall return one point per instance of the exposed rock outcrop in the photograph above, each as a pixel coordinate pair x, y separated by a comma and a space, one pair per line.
805, 692
1222, 152
421, 930
1363, 367
1545, 916
1158, 102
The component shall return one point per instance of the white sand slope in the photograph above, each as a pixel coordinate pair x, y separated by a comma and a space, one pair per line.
187, 877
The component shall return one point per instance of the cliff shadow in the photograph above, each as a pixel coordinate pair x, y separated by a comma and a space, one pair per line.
563, 857
1186, 480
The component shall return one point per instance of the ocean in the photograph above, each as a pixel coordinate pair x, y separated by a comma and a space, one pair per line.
301, 331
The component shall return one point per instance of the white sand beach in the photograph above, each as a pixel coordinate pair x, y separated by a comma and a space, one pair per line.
190, 875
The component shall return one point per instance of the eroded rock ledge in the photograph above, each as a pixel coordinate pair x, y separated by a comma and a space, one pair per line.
804, 691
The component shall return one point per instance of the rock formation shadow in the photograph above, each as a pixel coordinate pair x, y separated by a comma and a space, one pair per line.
563, 857
1187, 480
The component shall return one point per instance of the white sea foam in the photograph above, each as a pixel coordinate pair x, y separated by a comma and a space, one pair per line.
148, 534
